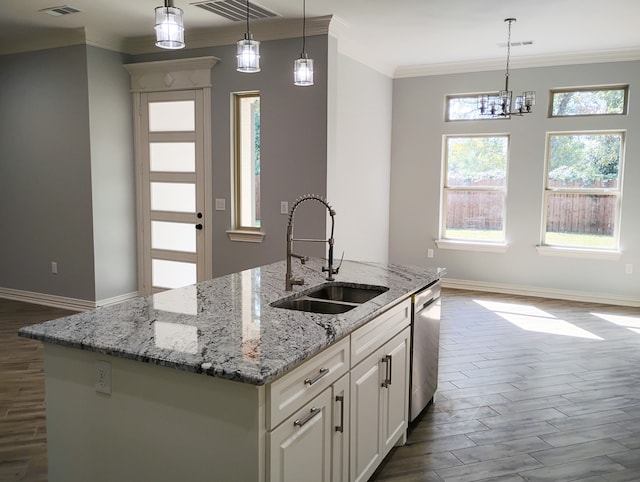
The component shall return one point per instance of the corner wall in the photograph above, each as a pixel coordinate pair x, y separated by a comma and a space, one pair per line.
45, 173
359, 161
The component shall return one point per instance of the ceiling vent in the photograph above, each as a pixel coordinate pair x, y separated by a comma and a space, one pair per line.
58, 11
236, 10
516, 44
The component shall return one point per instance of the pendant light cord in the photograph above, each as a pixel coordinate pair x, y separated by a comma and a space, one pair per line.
304, 25
247, 19
506, 75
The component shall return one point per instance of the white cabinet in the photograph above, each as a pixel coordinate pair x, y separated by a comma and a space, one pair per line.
336, 416
379, 391
300, 447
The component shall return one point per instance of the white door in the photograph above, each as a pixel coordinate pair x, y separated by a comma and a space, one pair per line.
173, 185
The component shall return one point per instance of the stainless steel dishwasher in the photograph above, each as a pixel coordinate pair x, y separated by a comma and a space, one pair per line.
425, 347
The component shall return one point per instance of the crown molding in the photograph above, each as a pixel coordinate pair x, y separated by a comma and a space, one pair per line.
265, 30
50, 40
596, 57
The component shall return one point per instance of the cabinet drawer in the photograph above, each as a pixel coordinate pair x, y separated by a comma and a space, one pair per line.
368, 338
289, 393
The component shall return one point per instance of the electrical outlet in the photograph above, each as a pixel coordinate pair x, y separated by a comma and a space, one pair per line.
54, 267
429, 253
284, 207
103, 377
628, 268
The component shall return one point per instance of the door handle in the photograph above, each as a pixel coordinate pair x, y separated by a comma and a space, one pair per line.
198, 226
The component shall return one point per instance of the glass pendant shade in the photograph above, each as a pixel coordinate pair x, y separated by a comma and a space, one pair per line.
169, 28
303, 71
248, 55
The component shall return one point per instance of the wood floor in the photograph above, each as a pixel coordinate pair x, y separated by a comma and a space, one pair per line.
530, 390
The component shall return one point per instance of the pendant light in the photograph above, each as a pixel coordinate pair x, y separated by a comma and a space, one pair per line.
303, 67
501, 105
248, 51
169, 26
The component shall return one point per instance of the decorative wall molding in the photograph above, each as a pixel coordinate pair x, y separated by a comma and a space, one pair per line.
541, 292
178, 74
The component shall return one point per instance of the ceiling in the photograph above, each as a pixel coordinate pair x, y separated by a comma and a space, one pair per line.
397, 36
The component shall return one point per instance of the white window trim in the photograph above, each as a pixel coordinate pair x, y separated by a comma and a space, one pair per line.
570, 252
472, 246
582, 252
239, 233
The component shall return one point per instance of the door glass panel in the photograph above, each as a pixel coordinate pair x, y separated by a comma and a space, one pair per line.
173, 196
172, 274
172, 116
173, 236
172, 156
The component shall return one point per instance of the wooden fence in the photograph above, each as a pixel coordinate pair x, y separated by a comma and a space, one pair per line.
566, 213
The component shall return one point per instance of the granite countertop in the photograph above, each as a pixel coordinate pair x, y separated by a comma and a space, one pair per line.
225, 327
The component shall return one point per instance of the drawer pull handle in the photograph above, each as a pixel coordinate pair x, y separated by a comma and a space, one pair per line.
318, 376
340, 428
387, 371
390, 357
301, 421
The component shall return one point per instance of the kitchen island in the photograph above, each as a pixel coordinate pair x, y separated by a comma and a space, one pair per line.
194, 383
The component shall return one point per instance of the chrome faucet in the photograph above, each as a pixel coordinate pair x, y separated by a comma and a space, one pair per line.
290, 280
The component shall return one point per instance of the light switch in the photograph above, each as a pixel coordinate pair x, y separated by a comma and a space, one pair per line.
220, 204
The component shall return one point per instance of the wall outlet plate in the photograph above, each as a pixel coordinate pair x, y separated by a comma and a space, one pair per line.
220, 204
284, 207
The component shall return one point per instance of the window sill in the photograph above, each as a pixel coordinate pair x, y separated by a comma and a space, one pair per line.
245, 236
579, 252
472, 246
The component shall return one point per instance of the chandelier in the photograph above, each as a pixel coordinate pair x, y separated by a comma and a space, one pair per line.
502, 105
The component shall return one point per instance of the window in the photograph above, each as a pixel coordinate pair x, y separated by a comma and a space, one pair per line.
588, 101
582, 189
475, 188
465, 107
247, 165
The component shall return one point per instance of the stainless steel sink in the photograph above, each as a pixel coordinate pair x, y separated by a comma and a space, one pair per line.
350, 294
331, 298
315, 306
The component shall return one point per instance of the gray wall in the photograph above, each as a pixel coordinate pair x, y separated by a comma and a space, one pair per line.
418, 129
45, 173
293, 147
112, 175
359, 163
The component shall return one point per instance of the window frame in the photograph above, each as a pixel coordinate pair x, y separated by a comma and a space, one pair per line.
455, 243
597, 88
547, 191
240, 232
482, 117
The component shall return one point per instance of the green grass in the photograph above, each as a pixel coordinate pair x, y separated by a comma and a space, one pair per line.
574, 240
580, 240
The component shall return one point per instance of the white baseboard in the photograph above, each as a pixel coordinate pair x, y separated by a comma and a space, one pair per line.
584, 296
64, 302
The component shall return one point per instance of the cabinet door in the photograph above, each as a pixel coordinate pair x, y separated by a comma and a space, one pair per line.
300, 448
366, 417
341, 430
396, 394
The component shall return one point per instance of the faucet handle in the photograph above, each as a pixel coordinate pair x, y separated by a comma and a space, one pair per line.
341, 260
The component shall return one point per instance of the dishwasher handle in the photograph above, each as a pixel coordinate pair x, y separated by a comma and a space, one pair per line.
426, 297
